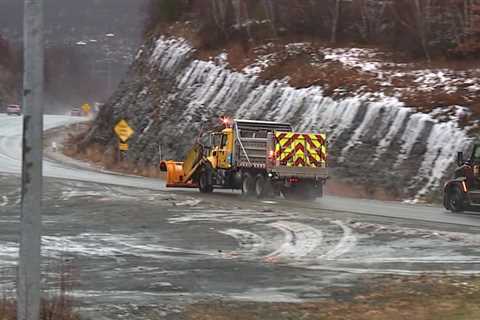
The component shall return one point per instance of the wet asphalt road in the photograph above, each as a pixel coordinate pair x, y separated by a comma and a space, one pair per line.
137, 250
10, 155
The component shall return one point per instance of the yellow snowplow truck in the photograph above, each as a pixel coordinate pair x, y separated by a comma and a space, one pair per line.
259, 158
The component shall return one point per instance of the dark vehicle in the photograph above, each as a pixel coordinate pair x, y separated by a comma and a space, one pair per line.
76, 112
463, 191
14, 109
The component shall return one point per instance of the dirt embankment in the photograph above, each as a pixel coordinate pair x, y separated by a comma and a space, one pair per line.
348, 69
396, 298
100, 156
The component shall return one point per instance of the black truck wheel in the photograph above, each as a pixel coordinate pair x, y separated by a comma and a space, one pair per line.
263, 187
205, 180
248, 185
456, 200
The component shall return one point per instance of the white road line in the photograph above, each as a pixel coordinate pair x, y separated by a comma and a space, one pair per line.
419, 260
346, 243
404, 272
300, 240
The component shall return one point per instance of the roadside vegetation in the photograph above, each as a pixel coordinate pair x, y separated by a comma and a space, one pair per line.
57, 302
8, 78
395, 298
59, 308
426, 53
435, 28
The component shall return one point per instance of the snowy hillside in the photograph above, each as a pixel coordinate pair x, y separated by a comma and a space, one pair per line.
375, 140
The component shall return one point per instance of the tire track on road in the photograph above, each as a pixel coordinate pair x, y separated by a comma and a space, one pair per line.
346, 243
300, 240
247, 240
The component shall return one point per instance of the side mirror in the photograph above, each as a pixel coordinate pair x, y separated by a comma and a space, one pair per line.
460, 160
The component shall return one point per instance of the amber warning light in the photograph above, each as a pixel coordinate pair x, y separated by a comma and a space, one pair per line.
227, 122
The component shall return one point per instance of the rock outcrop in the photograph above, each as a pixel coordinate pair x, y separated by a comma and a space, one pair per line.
374, 140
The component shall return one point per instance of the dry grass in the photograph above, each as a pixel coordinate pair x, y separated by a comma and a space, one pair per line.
103, 156
421, 298
56, 305
100, 156
56, 308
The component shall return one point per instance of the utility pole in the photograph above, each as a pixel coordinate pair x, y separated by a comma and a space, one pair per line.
28, 276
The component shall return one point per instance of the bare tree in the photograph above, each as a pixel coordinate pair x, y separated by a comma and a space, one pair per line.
219, 14
372, 15
269, 7
335, 20
416, 17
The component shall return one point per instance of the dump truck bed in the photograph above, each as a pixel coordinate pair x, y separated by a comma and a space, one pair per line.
251, 141
276, 148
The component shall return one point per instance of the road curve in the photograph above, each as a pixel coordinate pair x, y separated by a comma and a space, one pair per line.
10, 158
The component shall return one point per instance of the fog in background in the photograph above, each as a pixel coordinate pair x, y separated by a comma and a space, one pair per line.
89, 46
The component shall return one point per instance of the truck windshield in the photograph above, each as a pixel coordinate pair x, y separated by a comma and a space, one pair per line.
216, 140
224, 140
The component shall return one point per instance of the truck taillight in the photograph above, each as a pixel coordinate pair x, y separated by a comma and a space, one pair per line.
271, 155
293, 180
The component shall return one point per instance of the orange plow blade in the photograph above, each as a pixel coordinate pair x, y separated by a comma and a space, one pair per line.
176, 175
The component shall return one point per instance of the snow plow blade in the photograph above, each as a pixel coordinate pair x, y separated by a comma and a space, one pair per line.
180, 174
176, 175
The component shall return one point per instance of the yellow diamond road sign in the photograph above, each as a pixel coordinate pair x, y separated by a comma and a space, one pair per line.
86, 108
123, 131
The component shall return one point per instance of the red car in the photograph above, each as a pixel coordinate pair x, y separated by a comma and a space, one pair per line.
14, 109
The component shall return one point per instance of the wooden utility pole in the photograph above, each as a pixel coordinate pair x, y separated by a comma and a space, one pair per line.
28, 277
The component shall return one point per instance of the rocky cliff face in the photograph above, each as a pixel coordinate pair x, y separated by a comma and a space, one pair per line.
374, 140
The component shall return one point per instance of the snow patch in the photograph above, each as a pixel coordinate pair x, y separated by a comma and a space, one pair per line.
368, 120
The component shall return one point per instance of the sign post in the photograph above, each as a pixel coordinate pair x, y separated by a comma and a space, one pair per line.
87, 108
124, 132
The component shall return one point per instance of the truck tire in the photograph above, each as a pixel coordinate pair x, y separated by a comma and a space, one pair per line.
248, 185
205, 180
456, 200
260, 186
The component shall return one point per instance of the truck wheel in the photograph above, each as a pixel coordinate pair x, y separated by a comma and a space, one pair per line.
287, 193
204, 183
260, 186
456, 200
248, 185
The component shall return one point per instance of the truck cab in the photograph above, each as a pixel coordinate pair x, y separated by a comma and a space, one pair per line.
463, 191
220, 149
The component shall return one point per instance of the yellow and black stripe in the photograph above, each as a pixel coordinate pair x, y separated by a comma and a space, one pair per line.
300, 150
